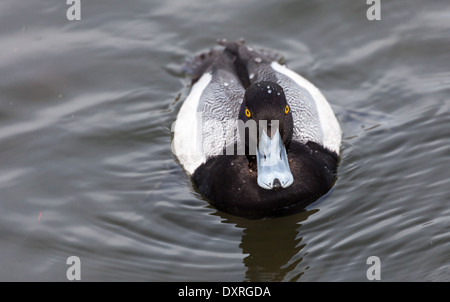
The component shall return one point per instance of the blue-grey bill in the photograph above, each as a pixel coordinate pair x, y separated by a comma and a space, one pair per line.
272, 162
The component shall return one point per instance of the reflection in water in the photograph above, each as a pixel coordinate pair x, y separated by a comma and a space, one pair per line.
272, 246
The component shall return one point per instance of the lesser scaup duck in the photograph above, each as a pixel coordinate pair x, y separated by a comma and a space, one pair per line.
257, 138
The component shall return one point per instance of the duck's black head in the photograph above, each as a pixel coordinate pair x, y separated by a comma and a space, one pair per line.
268, 127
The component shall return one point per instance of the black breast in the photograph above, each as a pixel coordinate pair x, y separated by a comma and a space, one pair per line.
231, 186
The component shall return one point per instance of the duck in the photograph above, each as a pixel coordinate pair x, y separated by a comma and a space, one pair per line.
256, 138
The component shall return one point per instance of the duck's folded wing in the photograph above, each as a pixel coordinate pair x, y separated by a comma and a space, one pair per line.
206, 122
314, 119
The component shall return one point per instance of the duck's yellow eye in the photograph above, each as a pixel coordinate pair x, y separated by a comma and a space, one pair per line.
286, 109
247, 112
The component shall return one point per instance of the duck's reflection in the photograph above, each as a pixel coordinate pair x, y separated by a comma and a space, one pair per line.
273, 246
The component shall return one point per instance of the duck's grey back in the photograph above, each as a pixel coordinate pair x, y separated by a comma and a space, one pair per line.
206, 122
314, 119
219, 109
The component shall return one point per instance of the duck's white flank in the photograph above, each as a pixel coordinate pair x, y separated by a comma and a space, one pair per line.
330, 125
186, 144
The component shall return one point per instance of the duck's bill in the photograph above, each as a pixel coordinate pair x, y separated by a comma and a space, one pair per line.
273, 164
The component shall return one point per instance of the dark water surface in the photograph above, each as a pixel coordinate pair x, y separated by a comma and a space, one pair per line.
86, 168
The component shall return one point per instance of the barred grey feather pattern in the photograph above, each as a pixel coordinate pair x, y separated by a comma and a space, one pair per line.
219, 119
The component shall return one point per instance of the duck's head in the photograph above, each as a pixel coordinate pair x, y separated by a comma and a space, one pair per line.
268, 132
